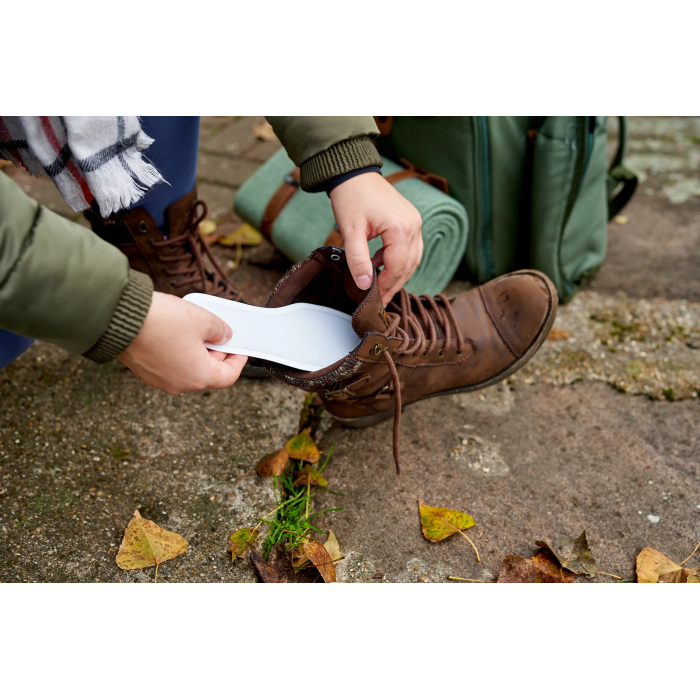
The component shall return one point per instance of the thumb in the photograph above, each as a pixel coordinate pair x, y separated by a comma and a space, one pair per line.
357, 255
213, 329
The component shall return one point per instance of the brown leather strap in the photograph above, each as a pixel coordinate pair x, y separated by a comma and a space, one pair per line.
278, 201
411, 170
384, 125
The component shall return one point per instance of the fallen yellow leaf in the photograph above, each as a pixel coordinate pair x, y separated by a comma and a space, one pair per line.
655, 567
303, 447
240, 541
439, 523
243, 235
207, 227
147, 544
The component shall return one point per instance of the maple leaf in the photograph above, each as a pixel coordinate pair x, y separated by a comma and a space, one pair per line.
147, 544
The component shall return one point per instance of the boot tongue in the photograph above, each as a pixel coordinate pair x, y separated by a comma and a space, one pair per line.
370, 315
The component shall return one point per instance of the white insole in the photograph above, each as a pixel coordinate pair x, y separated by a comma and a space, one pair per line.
304, 336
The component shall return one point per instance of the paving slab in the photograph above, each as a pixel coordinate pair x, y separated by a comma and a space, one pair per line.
600, 431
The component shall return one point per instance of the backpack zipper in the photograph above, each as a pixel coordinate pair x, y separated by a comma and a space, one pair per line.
484, 247
587, 125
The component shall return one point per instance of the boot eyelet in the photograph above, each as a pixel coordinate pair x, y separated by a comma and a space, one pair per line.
439, 353
458, 353
425, 354
377, 349
143, 227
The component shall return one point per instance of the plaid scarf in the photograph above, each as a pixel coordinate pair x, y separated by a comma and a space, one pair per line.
89, 158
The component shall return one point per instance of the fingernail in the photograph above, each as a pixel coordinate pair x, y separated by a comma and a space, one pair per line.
363, 281
229, 333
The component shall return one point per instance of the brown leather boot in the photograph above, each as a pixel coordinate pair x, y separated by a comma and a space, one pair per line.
179, 264
419, 347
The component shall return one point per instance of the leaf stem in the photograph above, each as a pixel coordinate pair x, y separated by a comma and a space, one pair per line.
686, 559
605, 573
471, 580
155, 580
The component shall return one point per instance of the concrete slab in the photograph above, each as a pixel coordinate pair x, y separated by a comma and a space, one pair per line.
572, 441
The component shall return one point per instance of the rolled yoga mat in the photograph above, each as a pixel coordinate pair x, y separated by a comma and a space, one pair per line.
306, 221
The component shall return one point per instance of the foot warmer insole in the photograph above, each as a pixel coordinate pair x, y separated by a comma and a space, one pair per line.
304, 336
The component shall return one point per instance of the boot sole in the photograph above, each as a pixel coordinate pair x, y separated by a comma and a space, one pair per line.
366, 421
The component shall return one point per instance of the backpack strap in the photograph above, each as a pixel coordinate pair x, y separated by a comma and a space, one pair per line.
620, 175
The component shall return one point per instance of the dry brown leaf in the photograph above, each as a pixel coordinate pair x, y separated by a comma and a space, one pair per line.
558, 334
332, 547
573, 554
264, 131
273, 464
278, 566
147, 544
320, 558
655, 567
542, 568
303, 447
243, 235
307, 475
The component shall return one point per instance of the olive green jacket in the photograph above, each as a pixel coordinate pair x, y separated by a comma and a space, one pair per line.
62, 284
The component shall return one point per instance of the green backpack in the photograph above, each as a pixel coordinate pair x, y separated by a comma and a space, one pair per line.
537, 189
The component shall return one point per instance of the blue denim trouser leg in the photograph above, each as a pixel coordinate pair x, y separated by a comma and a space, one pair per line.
12, 346
174, 153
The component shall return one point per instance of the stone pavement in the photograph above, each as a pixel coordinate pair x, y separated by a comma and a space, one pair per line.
600, 431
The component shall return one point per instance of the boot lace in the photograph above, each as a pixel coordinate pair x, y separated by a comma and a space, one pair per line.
190, 250
421, 331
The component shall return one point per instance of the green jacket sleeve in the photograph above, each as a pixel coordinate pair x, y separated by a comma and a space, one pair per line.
324, 147
62, 284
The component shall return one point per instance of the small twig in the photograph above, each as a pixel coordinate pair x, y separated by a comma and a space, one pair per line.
686, 559
243, 476
605, 573
155, 580
471, 580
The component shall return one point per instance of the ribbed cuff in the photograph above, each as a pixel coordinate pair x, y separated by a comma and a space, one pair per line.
127, 319
337, 160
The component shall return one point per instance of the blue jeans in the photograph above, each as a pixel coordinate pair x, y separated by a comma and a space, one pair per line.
174, 153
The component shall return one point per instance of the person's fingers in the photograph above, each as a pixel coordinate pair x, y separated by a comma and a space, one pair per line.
378, 258
212, 328
226, 373
357, 256
217, 355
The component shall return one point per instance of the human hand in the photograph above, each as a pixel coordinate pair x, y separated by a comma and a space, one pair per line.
367, 206
169, 352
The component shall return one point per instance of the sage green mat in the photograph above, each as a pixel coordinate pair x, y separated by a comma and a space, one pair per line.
307, 221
